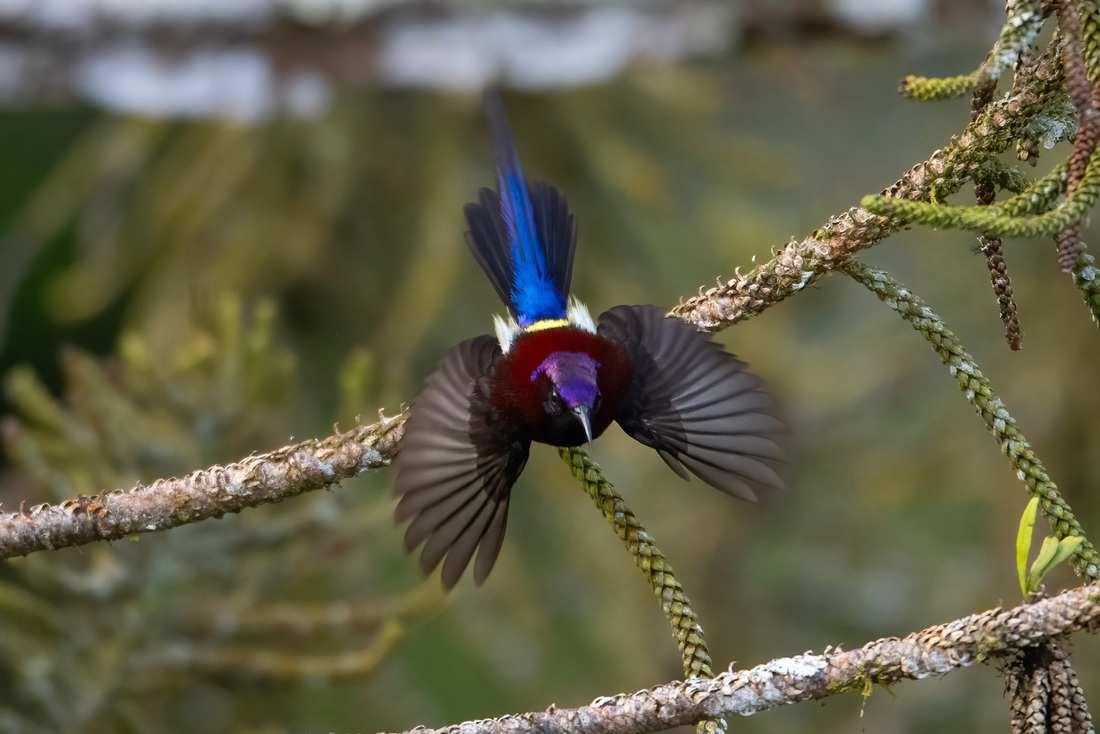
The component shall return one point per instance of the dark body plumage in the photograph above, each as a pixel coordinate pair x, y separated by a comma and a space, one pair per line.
554, 376
531, 403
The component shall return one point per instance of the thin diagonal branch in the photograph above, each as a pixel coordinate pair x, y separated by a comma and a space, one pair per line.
980, 394
799, 264
937, 650
648, 557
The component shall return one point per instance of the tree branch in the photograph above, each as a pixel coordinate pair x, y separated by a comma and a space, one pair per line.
168, 503
800, 264
977, 638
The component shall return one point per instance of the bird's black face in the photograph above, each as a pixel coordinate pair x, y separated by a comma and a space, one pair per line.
570, 395
554, 404
565, 425
565, 419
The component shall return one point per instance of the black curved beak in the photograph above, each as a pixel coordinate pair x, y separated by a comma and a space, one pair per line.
581, 411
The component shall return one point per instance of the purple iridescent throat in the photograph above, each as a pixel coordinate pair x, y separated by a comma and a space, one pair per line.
574, 374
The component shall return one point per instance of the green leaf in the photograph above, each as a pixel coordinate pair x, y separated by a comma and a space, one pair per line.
1023, 542
1051, 554
1042, 563
1067, 547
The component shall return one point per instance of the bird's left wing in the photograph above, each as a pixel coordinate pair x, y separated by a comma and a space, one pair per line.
694, 403
457, 465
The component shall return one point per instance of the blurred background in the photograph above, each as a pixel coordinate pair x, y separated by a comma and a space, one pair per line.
227, 226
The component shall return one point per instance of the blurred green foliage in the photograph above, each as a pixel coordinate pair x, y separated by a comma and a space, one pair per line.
194, 259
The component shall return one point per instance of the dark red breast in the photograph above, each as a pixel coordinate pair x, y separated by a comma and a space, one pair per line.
517, 397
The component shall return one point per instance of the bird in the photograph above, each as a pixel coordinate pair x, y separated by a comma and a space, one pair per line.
554, 375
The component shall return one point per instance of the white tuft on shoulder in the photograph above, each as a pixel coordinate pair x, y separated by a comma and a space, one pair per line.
579, 316
507, 330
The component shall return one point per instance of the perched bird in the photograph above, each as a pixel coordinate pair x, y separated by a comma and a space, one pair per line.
555, 376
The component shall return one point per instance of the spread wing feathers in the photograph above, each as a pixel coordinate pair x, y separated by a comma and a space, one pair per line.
457, 465
695, 404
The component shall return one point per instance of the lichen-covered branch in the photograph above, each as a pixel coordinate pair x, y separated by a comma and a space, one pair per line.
994, 634
799, 264
168, 503
1075, 46
1025, 20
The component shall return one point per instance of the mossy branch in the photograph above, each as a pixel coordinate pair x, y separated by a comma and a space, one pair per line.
1006, 220
1087, 278
801, 263
648, 558
1038, 196
1024, 22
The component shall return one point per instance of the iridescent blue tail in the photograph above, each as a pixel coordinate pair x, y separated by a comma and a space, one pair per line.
523, 235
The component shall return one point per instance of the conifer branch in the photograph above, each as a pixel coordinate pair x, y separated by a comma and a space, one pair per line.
994, 635
254, 661
1038, 196
800, 264
1024, 22
985, 191
1045, 693
648, 557
1081, 84
1087, 278
989, 407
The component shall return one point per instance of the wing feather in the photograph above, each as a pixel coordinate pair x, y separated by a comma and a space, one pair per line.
489, 549
696, 404
457, 465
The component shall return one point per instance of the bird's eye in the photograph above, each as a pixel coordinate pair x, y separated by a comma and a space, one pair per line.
597, 402
554, 404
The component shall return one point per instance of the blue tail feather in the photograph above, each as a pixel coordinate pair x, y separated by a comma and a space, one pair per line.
533, 232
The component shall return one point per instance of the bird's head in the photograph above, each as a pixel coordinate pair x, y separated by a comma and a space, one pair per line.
572, 393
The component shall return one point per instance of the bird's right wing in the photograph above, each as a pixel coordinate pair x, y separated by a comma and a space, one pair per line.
694, 403
457, 465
